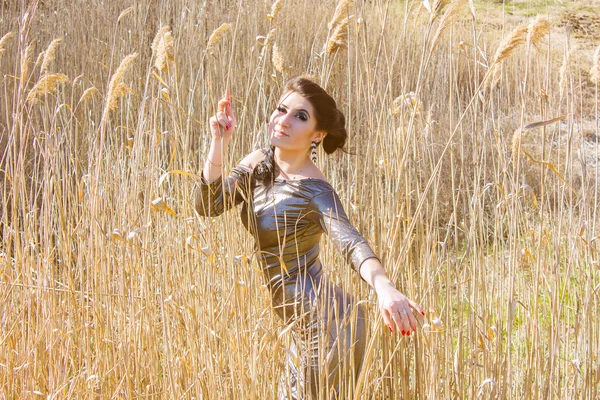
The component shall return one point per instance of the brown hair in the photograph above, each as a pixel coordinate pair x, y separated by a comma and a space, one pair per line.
329, 119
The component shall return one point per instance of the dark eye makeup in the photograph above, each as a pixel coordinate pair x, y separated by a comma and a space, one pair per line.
302, 115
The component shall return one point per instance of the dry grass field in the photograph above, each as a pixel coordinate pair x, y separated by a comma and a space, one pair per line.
472, 169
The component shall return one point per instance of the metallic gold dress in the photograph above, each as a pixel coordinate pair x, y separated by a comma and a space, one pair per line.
287, 221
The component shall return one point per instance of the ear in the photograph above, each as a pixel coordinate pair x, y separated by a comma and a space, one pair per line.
319, 135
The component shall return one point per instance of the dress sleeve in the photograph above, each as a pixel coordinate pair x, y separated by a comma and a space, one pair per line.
328, 208
212, 199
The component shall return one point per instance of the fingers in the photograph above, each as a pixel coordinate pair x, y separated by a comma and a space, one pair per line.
403, 315
402, 320
388, 320
224, 106
220, 119
416, 307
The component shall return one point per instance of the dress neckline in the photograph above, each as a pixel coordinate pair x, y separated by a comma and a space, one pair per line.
283, 180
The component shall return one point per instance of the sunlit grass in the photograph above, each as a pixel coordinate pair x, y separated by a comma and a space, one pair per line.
111, 286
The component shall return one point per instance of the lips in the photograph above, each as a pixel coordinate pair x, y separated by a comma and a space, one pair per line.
280, 133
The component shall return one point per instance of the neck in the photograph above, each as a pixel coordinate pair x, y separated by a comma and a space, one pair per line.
290, 162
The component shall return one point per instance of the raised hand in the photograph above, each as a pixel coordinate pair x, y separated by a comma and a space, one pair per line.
222, 124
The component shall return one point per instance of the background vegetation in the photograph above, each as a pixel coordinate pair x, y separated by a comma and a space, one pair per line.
111, 286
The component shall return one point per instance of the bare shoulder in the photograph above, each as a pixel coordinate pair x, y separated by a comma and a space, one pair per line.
253, 158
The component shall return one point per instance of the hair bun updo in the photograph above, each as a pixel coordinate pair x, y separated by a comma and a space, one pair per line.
336, 135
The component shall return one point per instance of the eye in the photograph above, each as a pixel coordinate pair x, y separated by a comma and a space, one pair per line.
281, 109
302, 116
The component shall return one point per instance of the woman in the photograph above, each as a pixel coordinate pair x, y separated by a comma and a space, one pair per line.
287, 205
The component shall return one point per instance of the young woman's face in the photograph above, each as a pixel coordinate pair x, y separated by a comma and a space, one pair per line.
292, 124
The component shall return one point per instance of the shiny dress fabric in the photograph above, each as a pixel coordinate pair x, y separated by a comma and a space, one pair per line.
287, 221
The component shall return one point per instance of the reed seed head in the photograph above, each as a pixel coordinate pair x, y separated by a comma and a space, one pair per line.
4, 40
516, 142
45, 86
89, 92
339, 38
25, 61
49, 55
162, 49
216, 36
564, 71
536, 30
517, 37
277, 59
447, 20
116, 87
274, 10
124, 13
342, 11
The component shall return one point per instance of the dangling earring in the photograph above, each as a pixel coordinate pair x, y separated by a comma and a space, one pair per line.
313, 152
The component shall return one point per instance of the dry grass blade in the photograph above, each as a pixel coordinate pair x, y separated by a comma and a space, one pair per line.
162, 49
549, 165
544, 123
45, 86
49, 55
536, 30
160, 205
116, 87
175, 172
216, 36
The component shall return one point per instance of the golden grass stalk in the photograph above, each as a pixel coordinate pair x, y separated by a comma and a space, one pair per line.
277, 59
116, 87
339, 38
447, 20
162, 49
595, 71
49, 55
275, 8
46, 85
536, 30
216, 36
4, 40
342, 12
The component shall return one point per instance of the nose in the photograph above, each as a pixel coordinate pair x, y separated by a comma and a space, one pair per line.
283, 119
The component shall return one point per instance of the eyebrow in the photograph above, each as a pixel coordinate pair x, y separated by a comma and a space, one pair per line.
299, 109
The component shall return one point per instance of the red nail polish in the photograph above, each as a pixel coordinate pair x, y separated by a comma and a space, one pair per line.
390, 328
423, 313
226, 128
402, 333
